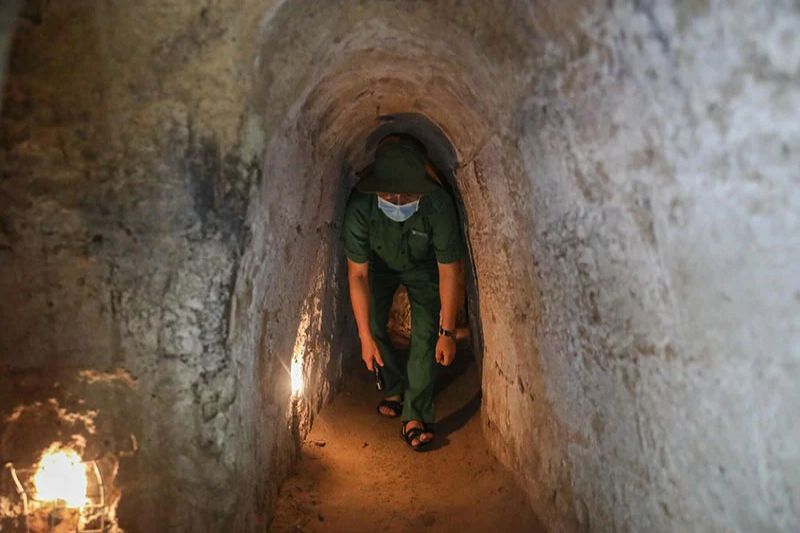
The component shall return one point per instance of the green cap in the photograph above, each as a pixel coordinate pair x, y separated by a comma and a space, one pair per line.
399, 168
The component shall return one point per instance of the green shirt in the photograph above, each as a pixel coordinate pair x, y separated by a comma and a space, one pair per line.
431, 235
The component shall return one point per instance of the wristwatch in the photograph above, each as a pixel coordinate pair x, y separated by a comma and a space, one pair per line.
446, 332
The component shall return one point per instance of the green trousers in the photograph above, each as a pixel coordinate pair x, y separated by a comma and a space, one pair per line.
415, 379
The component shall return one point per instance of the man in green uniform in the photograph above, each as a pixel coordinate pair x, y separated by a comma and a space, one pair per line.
401, 227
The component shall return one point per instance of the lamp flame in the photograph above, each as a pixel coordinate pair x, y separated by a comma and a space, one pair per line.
61, 475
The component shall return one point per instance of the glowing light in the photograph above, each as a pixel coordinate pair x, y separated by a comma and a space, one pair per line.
299, 352
297, 375
61, 475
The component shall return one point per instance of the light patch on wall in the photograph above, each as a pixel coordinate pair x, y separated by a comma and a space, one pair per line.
297, 375
298, 354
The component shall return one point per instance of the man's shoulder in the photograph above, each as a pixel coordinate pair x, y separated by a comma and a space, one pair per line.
436, 202
359, 200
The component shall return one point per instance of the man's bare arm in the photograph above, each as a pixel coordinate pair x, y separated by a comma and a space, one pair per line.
449, 295
358, 276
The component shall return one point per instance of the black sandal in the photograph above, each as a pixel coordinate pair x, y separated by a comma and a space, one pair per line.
416, 433
395, 405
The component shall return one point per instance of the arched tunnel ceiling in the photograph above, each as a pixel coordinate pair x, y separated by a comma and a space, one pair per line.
344, 102
450, 61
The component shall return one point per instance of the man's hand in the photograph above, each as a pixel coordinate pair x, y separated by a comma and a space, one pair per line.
370, 353
445, 350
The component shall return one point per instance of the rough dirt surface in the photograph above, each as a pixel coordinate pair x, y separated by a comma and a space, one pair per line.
356, 474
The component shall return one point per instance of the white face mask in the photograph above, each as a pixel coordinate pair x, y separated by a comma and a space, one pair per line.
398, 213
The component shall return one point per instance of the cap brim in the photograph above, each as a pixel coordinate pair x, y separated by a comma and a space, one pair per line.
373, 183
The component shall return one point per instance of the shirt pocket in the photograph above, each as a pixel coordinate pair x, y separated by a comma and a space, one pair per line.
419, 243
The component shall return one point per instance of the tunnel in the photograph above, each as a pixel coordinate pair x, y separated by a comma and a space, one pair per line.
175, 309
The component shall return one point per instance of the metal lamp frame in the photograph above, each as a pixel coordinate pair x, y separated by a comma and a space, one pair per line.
26, 500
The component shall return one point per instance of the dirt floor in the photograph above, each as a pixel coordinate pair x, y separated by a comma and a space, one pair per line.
357, 475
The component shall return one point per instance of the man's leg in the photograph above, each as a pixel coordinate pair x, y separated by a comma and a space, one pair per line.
382, 289
423, 294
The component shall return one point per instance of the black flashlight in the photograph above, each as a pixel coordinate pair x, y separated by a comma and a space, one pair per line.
378, 376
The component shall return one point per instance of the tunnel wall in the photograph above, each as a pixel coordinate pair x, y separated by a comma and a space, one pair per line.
155, 284
8, 20
173, 178
660, 142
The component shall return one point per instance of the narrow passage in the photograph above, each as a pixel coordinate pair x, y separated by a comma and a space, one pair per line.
357, 475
